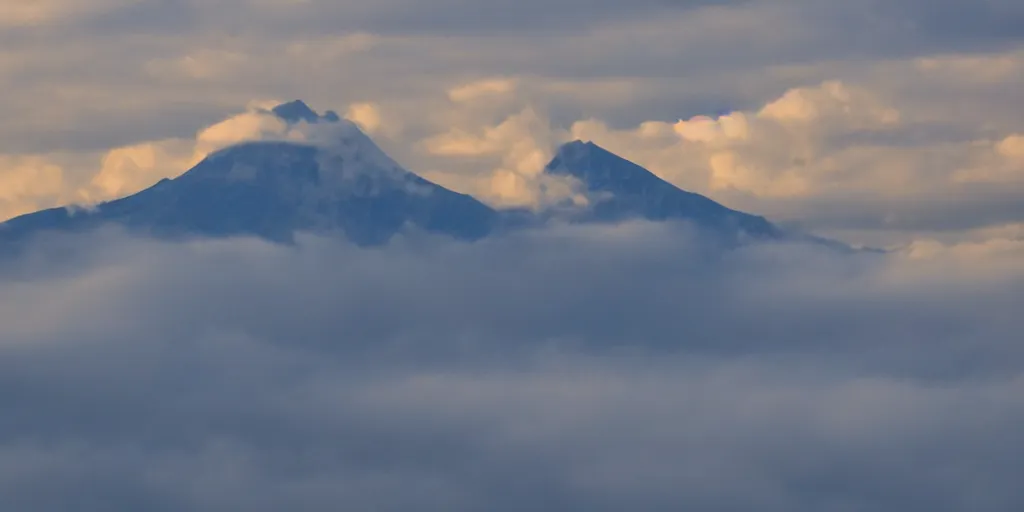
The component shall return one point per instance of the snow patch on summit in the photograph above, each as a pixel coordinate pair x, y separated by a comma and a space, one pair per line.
346, 156
287, 122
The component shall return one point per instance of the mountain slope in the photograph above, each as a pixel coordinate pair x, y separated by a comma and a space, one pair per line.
619, 189
339, 181
275, 189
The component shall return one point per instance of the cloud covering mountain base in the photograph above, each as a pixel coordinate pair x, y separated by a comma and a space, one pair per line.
574, 368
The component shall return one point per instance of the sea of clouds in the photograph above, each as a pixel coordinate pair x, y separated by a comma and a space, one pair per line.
631, 367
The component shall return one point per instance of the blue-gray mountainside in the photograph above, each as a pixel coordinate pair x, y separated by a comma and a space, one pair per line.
350, 186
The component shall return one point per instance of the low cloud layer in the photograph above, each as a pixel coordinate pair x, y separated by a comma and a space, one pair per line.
612, 368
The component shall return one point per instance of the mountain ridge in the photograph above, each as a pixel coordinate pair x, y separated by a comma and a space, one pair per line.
273, 189
620, 189
343, 182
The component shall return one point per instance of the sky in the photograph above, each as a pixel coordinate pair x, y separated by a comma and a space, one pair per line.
627, 367
874, 122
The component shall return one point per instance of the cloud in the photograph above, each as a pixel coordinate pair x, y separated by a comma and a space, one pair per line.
815, 151
603, 368
125, 171
256, 124
832, 100
446, 16
483, 89
980, 68
130, 74
841, 156
367, 116
1011, 147
204, 65
34, 182
786, 148
140, 62
517, 149
27, 181
41, 12
838, 155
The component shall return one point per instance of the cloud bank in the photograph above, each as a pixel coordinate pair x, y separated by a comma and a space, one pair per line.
870, 162
618, 368
584, 368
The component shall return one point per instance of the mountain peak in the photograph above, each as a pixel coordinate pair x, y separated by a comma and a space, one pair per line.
597, 167
332, 179
577, 146
297, 110
577, 143
338, 179
619, 189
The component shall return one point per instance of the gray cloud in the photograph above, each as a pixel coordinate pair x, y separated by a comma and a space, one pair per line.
72, 88
972, 207
909, 25
399, 17
567, 369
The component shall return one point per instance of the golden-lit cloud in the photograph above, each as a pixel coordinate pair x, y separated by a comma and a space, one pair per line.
253, 125
864, 143
810, 140
482, 90
15, 13
855, 108
1012, 147
34, 182
28, 183
511, 155
126, 170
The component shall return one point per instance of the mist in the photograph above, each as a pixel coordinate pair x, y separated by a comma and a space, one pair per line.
629, 367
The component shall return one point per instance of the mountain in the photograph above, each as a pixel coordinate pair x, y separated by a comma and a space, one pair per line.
274, 189
339, 181
297, 111
618, 189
